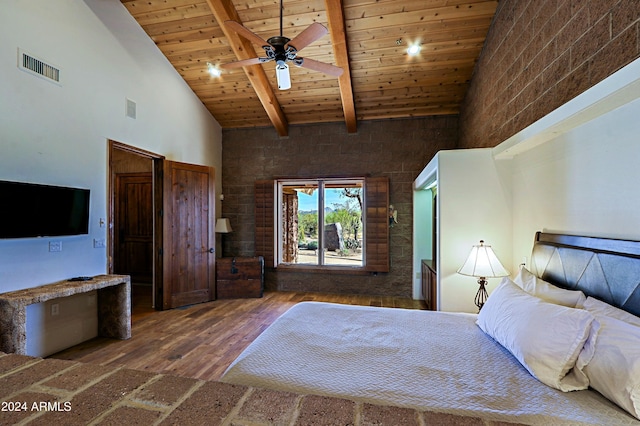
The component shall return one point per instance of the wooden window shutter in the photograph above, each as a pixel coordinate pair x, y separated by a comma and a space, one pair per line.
377, 224
265, 197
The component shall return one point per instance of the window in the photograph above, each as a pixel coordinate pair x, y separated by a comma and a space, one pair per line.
320, 222
323, 223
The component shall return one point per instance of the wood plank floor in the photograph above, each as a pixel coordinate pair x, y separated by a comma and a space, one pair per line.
200, 341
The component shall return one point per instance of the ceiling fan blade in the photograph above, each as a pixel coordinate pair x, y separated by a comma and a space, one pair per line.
244, 63
244, 32
310, 34
319, 66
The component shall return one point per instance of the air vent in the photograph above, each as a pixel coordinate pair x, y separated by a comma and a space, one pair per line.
36, 66
130, 110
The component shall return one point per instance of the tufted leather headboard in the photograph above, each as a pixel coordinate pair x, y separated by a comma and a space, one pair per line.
606, 269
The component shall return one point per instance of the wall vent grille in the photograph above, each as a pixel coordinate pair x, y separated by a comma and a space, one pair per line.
130, 110
33, 65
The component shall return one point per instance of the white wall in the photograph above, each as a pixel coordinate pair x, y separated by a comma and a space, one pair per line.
422, 236
576, 170
76, 321
57, 134
474, 205
584, 182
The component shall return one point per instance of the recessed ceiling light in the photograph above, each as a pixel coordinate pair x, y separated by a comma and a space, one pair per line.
413, 49
215, 72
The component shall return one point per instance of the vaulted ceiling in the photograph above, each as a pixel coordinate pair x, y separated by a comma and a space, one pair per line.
368, 39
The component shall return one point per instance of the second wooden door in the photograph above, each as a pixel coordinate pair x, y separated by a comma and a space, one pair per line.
188, 254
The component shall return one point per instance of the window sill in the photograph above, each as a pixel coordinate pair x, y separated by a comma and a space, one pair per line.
336, 270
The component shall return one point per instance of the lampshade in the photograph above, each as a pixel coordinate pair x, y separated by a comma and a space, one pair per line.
483, 262
282, 76
223, 226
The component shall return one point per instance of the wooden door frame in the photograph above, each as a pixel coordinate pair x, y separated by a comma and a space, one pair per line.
157, 180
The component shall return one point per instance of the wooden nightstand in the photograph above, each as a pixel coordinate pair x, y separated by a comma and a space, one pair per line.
239, 277
429, 284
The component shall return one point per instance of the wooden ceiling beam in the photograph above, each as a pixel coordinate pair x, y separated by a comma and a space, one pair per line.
223, 10
368, 41
335, 17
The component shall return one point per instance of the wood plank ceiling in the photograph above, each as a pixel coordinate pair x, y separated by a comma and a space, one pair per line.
367, 38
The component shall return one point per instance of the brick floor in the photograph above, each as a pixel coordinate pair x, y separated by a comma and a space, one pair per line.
49, 392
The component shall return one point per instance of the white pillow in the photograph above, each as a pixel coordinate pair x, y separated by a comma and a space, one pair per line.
546, 338
614, 368
549, 292
598, 307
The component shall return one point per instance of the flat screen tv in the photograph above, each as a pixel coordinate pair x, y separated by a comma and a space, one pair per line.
32, 210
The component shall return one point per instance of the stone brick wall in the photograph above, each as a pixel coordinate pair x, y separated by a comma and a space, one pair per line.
57, 392
540, 54
398, 149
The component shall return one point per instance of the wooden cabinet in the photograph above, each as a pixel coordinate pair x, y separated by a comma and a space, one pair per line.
429, 284
239, 277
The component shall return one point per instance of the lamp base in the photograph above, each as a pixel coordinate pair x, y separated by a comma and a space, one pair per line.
481, 295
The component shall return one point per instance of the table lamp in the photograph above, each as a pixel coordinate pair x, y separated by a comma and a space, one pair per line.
483, 263
223, 226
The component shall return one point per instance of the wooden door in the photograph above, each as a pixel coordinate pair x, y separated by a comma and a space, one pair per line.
188, 254
134, 222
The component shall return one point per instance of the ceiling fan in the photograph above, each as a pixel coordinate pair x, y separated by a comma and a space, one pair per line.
282, 50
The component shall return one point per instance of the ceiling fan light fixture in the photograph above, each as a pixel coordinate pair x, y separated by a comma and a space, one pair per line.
213, 71
282, 76
281, 49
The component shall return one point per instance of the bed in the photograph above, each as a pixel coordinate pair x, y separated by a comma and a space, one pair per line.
460, 363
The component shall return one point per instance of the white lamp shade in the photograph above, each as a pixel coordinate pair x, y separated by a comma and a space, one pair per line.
483, 262
223, 226
283, 77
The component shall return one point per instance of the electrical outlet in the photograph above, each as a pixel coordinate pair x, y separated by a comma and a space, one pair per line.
99, 243
55, 309
55, 246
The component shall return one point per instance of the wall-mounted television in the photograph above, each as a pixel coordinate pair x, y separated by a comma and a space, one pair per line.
33, 210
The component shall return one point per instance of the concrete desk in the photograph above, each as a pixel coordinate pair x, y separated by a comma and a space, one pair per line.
114, 308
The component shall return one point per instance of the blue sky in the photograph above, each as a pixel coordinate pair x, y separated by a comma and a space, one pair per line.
310, 202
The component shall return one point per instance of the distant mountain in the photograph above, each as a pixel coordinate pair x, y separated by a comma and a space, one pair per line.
326, 210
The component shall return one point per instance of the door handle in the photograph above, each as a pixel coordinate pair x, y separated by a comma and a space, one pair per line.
212, 250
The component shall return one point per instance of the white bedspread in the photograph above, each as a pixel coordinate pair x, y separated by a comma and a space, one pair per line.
420, 359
